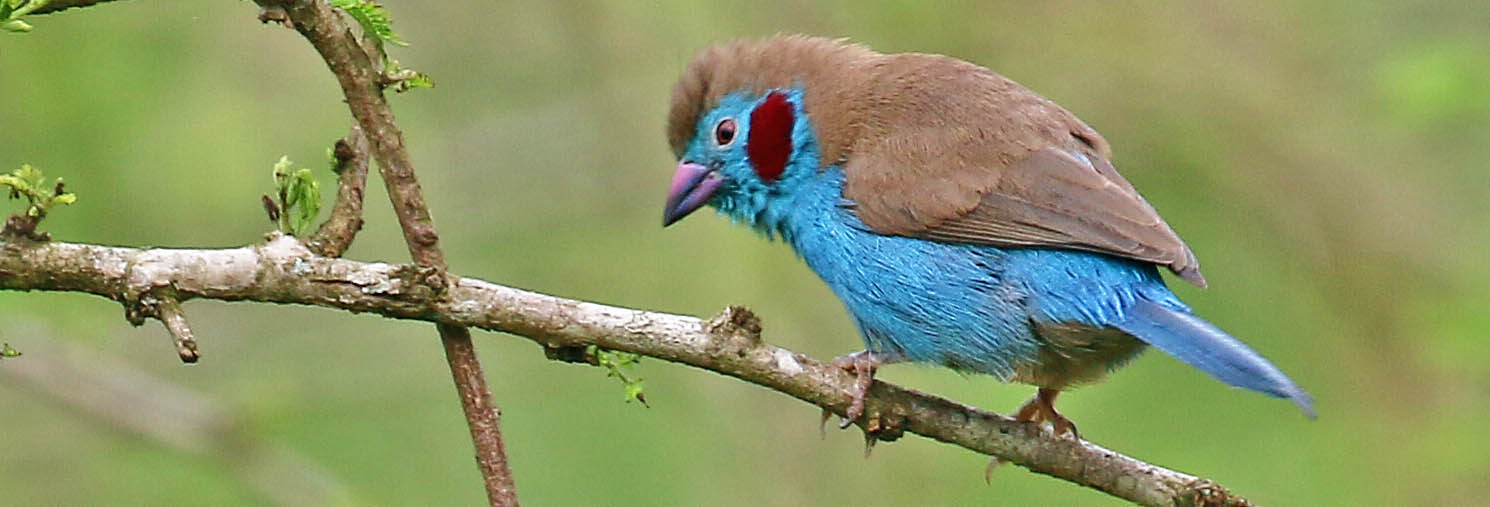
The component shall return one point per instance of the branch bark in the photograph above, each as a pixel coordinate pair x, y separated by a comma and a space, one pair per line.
357, 62
335, 235
282, 270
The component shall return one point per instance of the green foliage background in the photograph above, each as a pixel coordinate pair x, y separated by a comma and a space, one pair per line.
1325, 159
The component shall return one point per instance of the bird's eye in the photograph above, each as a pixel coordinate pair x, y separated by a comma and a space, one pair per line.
724, 132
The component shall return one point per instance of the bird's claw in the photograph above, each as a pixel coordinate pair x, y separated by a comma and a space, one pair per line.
862, 365
992, 464
1041, 408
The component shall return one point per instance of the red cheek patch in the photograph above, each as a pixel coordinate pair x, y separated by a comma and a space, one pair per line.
770, 142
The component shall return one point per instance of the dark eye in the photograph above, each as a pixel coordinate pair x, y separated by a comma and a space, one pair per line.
724, 132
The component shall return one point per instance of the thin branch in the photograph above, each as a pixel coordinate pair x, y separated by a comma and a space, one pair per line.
284, 271
168, 310
337, 232
357, 63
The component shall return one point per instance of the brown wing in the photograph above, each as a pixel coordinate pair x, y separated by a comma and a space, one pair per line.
975, 158
1054, 199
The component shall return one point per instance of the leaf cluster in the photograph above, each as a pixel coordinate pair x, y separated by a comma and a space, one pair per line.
12, 10
299, 198
373, 18
29, 182
617, 364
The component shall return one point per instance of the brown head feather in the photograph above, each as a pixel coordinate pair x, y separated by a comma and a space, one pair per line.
829, 71
939, 148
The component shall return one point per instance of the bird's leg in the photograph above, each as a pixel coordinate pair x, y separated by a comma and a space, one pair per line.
862, 365
1042, 408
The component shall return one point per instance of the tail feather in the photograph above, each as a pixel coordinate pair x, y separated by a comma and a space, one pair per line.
1202, 345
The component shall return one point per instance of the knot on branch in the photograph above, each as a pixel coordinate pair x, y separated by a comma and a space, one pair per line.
737, 330
735, 320
276, 14
19, 226
1205, 493
888, 426
414, 275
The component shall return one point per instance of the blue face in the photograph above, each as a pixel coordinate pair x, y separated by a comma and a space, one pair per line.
746, 157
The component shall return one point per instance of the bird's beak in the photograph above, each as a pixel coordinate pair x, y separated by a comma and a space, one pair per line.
693, 184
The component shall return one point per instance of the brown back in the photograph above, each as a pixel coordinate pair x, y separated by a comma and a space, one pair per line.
938, 148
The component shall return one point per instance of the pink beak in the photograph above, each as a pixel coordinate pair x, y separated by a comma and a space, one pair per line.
693, 184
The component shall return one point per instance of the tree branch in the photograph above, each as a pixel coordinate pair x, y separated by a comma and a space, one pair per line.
335, 234
168, 310
357, 63
284, 271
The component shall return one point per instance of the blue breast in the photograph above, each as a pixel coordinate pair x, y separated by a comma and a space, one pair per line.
970, 307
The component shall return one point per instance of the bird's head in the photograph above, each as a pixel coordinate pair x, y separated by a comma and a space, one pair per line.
746, 154
748, 121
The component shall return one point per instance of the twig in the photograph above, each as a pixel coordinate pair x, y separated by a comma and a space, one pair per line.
337, 232
357, 65
284, 271
168, 310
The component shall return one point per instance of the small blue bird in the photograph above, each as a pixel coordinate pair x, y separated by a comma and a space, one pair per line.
962, 219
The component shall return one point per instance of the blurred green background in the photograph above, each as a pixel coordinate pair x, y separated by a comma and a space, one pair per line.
1325, 159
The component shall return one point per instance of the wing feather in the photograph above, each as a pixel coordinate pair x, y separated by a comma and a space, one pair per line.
957, 153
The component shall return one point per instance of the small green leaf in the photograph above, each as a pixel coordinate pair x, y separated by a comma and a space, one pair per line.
30, 183
308, 201
617, 363
299, 197
281, 170
15, 25
373, 18
7, 351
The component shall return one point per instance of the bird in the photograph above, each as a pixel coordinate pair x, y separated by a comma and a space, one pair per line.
962, 219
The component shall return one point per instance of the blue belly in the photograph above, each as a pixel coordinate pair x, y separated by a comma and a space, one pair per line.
971, 307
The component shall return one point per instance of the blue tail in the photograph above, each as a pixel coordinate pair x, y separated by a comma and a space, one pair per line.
1202, 345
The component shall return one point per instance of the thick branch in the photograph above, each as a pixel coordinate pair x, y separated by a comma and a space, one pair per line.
357, 63
283, 271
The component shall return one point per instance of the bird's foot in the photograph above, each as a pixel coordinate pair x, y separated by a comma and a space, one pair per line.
862, 365
1040, 408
